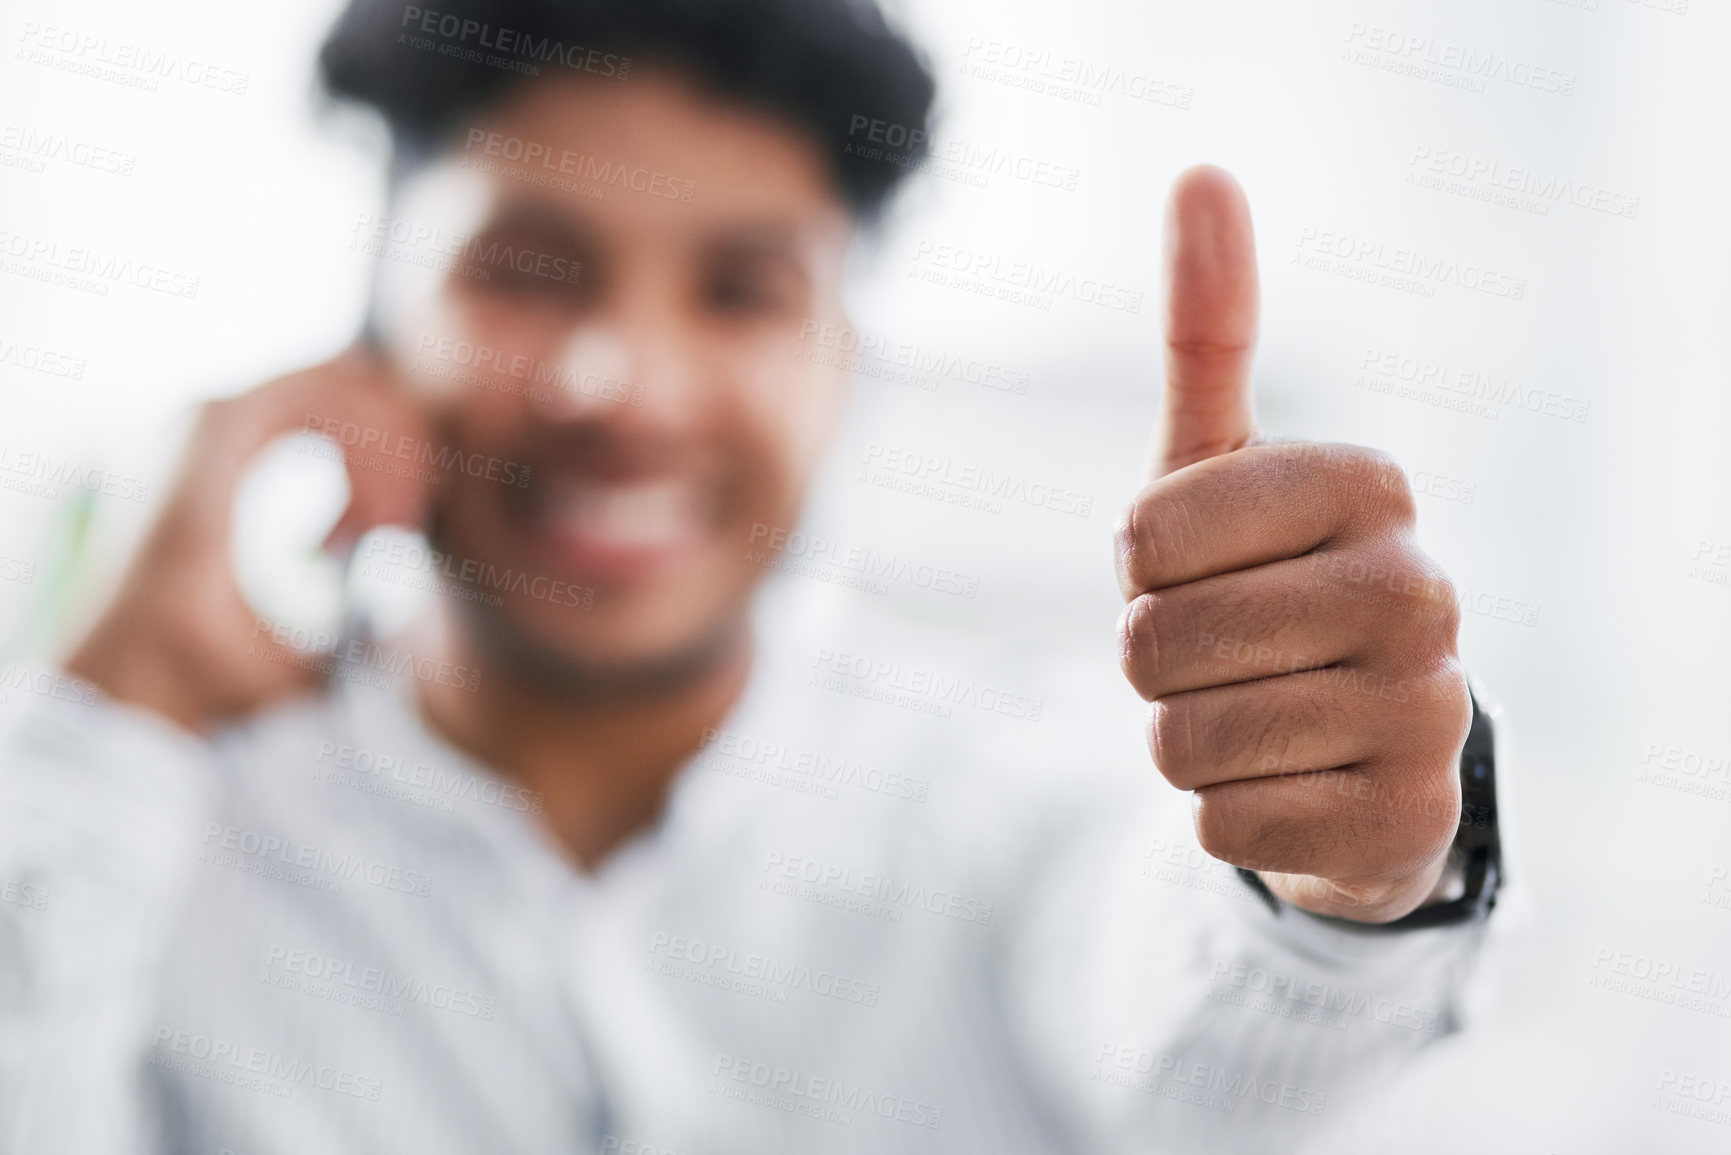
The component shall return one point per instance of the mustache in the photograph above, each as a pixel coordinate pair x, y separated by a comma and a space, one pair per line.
592, 449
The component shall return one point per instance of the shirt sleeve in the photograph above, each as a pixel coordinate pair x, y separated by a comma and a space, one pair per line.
1169, 1009
99, 805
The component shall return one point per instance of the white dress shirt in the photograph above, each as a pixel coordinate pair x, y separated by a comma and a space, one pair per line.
884, 910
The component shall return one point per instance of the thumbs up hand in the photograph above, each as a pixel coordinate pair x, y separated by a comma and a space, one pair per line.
1298, 648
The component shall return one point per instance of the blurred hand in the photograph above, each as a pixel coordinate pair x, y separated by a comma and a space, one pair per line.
1298, 648
178, 636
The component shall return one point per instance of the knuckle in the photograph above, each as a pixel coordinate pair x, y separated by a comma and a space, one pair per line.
1442, 822
1219, 835
1384, 474
1381, 485
1460, 695
1419, 815
1151, 539
1416, 599
1172, 742
1452, 709
1124, 547
1127, 528
1139, 644
1433, 607
1431, 827
1446, 606
1235, 823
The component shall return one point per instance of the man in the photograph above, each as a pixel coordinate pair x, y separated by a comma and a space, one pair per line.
498, 903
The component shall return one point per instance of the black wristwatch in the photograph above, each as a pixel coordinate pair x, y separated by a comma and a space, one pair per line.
1476, 857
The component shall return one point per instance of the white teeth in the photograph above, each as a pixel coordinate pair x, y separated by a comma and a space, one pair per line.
639, 515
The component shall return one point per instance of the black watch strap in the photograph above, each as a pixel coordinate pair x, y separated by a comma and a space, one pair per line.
1476, 855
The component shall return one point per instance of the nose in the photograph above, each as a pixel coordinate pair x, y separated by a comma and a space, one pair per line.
595, 374
635, 368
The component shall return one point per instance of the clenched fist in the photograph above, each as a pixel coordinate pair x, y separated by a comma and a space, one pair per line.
1298, 648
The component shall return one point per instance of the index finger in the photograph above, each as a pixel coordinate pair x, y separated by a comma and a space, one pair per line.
1263, 504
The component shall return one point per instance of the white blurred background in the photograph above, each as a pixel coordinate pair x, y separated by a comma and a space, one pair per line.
1597, 535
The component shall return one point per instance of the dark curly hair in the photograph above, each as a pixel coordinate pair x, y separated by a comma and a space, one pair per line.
822, 64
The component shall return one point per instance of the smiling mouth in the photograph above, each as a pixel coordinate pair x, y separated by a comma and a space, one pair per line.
619, 528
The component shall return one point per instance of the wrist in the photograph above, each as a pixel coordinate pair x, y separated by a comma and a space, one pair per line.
129, 666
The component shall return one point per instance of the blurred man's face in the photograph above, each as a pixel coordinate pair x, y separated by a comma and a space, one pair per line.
626, 324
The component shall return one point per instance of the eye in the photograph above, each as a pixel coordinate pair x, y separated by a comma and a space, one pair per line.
525, 267
736, 293
744, 288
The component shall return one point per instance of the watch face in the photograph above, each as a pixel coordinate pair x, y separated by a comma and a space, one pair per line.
1478, 828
